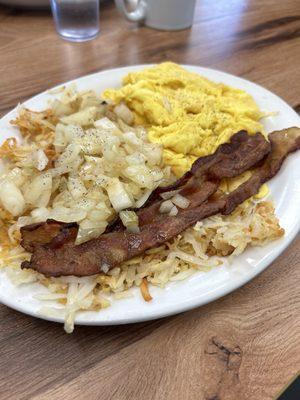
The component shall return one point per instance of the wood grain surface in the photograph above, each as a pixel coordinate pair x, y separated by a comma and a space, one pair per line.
243, 346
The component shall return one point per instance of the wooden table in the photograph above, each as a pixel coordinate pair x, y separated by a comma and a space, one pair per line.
243, 346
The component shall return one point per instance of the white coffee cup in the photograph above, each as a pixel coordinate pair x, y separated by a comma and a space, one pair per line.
169, 15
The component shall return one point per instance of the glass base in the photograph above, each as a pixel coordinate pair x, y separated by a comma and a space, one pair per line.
77, 38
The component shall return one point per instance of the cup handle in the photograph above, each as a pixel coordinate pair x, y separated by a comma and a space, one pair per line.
136, 15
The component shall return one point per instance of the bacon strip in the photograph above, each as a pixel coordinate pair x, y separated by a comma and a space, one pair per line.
111, 249
46, 232
283, 143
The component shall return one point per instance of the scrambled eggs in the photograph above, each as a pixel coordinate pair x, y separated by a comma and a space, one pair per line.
186, 113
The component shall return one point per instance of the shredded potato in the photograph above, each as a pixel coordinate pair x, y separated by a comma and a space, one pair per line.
145, 290
36, 124
8, 148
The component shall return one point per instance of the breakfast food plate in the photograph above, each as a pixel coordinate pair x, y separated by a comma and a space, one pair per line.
201, 287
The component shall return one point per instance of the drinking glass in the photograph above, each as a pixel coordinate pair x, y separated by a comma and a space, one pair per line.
76, 20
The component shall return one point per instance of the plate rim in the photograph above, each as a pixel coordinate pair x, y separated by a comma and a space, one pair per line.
185, 306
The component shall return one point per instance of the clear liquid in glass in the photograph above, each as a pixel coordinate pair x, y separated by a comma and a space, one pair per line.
76, 20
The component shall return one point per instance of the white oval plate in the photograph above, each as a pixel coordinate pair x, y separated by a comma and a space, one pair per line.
200, 288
